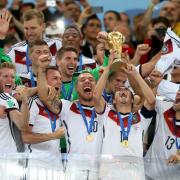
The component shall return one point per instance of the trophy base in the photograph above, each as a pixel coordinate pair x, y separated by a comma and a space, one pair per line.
117, 65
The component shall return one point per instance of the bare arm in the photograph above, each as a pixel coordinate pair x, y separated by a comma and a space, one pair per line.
141, 50
53, 104
21, 118
147, 92
99, 101
148, 16
147, 68
33, 138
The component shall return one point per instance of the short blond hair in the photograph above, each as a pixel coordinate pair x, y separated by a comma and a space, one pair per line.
33, 14
7, 65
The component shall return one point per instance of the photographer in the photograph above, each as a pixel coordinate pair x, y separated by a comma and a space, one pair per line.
155, 36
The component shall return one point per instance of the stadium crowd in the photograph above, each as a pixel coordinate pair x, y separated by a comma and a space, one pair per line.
60, 94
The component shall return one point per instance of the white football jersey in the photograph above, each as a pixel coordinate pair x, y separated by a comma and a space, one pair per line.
164, 142
7, 142
76, 131
17, 53
112, 142
41, 123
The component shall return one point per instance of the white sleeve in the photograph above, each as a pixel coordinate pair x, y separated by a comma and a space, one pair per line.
170, 52
33, 110
146, 117
65, 108
164, 63
168, 89
8, 101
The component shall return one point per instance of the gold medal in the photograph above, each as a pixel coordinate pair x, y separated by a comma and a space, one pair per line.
89, 138
125, 143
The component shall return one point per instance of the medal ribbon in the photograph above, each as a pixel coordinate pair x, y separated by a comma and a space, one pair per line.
53, 121
80, 68
89, 128
33, 84
125, 133
177, 144
67, 96
107, 97
28, 62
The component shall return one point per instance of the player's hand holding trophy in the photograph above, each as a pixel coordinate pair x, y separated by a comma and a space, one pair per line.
115, 41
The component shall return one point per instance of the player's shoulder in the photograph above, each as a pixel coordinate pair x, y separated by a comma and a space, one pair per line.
17, 46
5, 96
32, 99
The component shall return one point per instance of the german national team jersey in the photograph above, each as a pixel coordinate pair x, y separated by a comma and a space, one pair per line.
164, 142
42, 121
169, 52
7, 142
113, 138
76, 132
18, 52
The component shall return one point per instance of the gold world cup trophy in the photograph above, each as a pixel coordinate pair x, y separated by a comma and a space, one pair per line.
115, 41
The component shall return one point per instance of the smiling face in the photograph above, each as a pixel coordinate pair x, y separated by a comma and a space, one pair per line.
67, 64
7, 79
85, 86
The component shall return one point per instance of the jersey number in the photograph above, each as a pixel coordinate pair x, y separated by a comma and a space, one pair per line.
169, 142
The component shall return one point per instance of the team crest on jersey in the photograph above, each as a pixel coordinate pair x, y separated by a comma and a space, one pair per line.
10, 103
135, 118
167, 47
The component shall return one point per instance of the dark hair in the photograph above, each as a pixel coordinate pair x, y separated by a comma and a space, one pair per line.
94, 16
74, 26
62, 50
125, 15
115, 13
163, 20
28, 4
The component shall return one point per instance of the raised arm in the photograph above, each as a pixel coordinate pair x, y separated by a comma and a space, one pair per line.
4, 21
99, 101
141, 50
147, 92
53, 104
